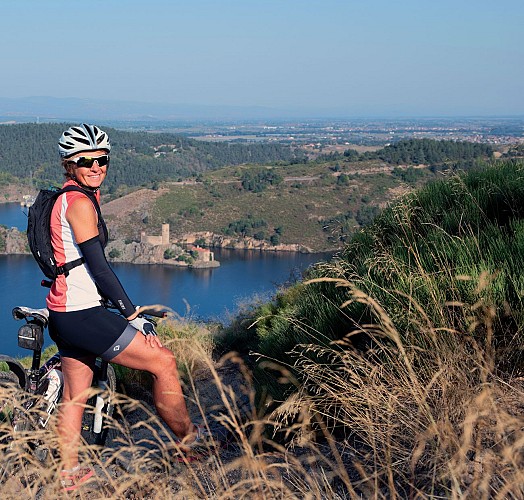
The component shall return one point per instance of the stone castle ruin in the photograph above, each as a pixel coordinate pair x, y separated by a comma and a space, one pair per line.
203, 255
163, 239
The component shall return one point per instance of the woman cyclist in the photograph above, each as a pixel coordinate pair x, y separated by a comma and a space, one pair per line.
80, 326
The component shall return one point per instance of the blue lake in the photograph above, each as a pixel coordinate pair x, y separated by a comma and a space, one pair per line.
209, 294
13, 215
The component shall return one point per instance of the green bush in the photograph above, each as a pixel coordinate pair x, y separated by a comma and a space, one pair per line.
185, 258
114, 253
258, 180
169, 253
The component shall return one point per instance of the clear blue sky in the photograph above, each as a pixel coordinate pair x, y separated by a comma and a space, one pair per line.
365, 57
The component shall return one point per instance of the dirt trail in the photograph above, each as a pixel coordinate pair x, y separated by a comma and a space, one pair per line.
211, 393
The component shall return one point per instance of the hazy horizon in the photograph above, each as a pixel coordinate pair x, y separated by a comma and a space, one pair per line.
50, 109
318, 59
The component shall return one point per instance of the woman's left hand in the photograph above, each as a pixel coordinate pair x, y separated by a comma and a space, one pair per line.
148, 330
153, 341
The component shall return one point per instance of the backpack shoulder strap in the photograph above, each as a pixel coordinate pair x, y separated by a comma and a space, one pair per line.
102, 228
91, 196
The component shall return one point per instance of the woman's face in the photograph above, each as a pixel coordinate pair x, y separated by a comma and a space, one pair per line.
93, 175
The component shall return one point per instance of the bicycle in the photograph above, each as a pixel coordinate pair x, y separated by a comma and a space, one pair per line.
41, 388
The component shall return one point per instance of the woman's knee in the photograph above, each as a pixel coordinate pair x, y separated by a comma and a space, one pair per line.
163, 361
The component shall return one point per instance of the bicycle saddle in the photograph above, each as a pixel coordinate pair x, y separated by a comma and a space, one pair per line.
22, 312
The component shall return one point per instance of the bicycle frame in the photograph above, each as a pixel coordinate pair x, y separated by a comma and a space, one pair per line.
35, 379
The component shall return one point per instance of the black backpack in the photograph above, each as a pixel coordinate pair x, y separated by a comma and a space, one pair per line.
39, 230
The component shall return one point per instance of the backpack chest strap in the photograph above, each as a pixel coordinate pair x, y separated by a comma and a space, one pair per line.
68, 266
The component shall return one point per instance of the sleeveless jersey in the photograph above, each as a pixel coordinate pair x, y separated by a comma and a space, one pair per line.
77, 291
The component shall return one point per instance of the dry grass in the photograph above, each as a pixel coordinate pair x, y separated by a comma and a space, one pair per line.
138, 460
420, 422
398, 421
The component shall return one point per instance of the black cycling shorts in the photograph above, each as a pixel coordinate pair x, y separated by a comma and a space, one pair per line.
90, 331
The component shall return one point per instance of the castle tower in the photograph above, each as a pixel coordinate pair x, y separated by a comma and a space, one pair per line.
165, 234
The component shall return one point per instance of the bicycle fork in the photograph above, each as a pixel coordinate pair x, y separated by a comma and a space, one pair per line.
100, 402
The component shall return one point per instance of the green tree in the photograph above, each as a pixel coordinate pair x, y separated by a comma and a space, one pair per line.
169, 253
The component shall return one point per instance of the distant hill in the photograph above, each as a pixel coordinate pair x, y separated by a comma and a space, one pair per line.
266, 191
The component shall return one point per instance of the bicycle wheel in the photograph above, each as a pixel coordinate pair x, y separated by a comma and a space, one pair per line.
88, 420
9, 384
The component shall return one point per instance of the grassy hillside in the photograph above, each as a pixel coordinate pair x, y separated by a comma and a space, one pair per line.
408, 347
448, 244
317, 205
268, 191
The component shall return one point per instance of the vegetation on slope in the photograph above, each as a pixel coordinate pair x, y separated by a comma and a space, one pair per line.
310, 213
406, 343
318, 204
430, 152
468, 225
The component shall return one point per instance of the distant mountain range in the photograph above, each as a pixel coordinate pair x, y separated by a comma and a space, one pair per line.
74, 109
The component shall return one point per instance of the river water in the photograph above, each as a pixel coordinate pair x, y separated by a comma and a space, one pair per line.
209, 294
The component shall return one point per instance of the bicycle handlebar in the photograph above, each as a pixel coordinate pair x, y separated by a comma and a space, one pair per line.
148, 311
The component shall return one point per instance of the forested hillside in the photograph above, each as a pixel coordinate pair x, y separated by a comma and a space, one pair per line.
270, 192
430, 152
138, 158
29, 151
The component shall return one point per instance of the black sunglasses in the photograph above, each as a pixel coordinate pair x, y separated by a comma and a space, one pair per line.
87, 161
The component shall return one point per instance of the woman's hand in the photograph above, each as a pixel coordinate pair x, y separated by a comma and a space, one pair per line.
153, 341
148, 330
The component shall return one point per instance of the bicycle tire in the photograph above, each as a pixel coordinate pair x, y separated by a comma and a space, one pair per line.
25, 420
8, 381
88, 420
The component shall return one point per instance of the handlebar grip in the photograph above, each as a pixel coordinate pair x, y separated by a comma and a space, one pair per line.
153, 312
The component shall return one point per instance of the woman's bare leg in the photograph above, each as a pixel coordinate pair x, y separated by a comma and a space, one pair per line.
167, 392
78, 375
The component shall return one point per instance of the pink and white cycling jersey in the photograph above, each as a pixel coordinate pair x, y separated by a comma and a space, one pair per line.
77, 291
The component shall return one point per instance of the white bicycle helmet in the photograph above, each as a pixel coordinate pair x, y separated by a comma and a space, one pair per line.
81, 138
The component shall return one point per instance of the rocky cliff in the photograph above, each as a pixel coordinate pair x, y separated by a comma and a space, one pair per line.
13, 241
212, 240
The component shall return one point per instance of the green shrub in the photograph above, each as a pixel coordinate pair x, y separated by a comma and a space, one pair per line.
114, 253
169, 253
